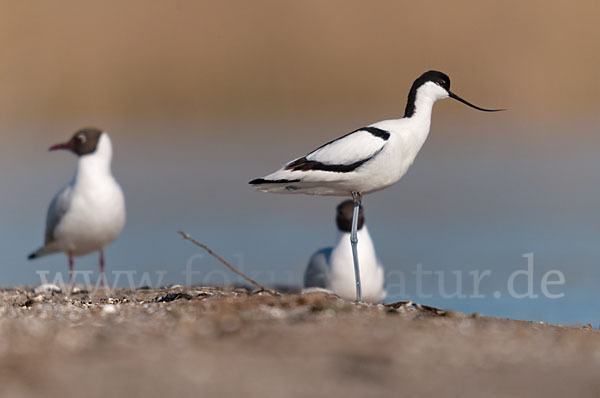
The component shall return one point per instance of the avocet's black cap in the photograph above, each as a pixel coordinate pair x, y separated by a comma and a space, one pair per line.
439, 78
442, 80
83, 142
345, 211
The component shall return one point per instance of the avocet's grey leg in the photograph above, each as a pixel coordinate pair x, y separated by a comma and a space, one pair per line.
357, 197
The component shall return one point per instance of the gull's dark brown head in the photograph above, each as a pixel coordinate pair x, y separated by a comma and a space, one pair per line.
83, 142
345, 210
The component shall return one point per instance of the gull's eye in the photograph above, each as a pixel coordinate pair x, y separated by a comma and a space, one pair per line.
81, 139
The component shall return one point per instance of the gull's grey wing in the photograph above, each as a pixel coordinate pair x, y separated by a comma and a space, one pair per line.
56, 211
317, 272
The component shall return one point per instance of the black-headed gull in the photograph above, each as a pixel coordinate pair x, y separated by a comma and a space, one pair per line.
89, 213
331, 268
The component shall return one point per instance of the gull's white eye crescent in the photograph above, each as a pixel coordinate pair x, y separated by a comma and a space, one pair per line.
81, 138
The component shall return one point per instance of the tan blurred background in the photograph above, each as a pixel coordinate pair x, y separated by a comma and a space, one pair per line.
202, 96
235, 59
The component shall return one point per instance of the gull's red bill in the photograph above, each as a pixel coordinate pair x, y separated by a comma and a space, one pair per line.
57, 147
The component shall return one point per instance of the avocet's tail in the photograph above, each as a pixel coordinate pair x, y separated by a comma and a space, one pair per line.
290, 180
274, 186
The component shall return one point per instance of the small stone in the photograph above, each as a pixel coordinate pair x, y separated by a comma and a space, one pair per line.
76, 290
172, 296
109, 309
25, 302
47, 288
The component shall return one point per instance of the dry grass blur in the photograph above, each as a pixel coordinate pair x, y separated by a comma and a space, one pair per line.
235, 59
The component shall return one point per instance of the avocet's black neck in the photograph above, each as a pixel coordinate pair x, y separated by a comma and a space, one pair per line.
409, 111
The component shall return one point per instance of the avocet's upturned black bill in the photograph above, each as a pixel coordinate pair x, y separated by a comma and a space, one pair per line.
368, 159
456, 97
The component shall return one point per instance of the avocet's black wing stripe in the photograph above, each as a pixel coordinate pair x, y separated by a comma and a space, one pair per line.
345, 154
304, 164
377, 132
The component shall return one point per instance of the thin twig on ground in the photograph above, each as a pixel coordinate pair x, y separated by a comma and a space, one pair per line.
255, 283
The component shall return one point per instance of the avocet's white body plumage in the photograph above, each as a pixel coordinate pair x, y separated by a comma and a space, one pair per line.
89, 213
384, 160
332, 268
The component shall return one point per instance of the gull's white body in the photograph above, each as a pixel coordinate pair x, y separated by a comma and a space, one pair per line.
332, 268
388, 160
89, 213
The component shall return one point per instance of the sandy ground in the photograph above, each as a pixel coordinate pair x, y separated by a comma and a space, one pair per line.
220, 342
